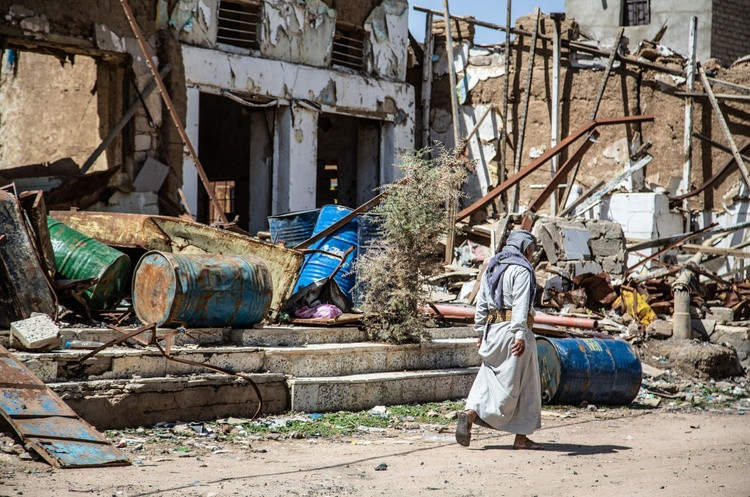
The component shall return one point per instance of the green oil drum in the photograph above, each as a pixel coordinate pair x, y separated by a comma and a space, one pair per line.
80, 257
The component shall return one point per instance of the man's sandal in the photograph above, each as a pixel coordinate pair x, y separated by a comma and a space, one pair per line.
463, 433
529, 445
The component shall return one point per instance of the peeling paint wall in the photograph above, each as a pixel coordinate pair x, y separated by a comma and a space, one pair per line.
303, 92
195, 21
299, 32
387, 29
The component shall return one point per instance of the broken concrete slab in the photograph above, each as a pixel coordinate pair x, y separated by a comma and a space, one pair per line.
660, 329
705, 360
151, 176
34, 333
129, 403
736, 337
722, 315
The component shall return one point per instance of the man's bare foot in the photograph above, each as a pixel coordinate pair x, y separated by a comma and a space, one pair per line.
524, 443
463, 427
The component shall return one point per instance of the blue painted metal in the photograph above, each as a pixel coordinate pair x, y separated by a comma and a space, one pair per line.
201, 289
293, 228
574, 370
80, 257
331, 249
47, 424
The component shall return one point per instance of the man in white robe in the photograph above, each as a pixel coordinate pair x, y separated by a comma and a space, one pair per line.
506, 394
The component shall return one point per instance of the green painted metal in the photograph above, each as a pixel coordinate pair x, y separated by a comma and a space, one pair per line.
79, 257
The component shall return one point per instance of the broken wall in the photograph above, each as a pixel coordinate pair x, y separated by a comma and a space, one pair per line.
48, 110
630, 90
298, 32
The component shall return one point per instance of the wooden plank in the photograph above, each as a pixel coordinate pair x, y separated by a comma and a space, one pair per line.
724, 126
729, 252
611, 185
595, 110
525, 110
583, 197
172, 111
687, 142
504, 139
449, 236
429, 47
542, 159
555, 97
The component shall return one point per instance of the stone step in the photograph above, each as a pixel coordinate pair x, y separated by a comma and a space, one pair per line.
110, 404
268, 336
309, 361
364, 391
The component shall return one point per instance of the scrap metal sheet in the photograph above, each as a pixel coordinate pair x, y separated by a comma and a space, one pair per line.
47, 424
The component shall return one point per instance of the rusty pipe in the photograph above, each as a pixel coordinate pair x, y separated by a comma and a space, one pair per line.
457, 311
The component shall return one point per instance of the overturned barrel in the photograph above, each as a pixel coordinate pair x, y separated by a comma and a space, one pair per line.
292, 228
201, 289
334, 254
575, 370
79, 257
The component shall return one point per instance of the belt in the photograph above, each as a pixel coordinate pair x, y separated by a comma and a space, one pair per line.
500, 315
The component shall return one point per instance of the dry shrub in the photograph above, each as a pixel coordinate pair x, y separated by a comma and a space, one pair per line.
413, 215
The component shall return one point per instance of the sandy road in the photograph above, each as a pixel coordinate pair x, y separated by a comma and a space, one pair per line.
611, 453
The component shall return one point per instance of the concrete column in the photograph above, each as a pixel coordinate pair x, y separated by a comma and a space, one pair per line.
295, 159
261, 164
368, 164
189, 173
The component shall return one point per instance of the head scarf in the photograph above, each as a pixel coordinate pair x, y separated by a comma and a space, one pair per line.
517, 243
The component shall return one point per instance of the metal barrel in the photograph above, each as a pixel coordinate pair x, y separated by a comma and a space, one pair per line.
575, 370
330, 251
201, 289
292, 228
79, 257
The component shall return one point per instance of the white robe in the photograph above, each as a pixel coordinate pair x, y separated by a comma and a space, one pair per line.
506, 393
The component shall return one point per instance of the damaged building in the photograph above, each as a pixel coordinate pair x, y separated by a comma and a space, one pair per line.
289, 105
214, 153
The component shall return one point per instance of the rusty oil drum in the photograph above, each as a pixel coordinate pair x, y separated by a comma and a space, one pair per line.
201, 289
78, 256
575, 370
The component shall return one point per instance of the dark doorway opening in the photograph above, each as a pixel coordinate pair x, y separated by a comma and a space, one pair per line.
236, 150
348, 160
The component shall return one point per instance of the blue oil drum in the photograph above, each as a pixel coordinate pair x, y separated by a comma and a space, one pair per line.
201, 289
292, 228
575, 370
331, 249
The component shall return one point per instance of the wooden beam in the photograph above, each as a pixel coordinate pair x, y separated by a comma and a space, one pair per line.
123, 121
724, 126
729, 252
595, 110
687, 142
429, 46
719, 96
669, 247
588, 193
525, 110
546, 156
559, 177
504, 139
172, 111
450, 237
555, 97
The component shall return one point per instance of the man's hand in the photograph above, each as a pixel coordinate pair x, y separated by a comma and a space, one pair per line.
479, 342
518, 347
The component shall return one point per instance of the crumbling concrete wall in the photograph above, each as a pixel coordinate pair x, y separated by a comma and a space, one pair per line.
298, 32
195, 21
48, 111
630, 91
387, 28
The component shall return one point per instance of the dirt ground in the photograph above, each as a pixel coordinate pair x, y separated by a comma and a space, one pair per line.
611, 452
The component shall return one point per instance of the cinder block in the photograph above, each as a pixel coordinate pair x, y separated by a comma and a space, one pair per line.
36, 332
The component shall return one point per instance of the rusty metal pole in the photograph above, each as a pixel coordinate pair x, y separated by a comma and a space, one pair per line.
172, 112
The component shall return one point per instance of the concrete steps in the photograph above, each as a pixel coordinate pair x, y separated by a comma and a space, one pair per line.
363, 391
303, 369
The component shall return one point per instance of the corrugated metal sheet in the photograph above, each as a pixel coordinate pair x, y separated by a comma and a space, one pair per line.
171, 234
47, 424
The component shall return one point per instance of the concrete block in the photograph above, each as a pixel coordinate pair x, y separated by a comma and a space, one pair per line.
36, 332
575, 268
142, 142
738, 338
699, 359
614, 265
702, 328
659, 329
575, 243
721, 315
